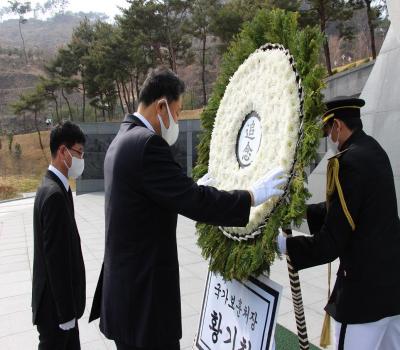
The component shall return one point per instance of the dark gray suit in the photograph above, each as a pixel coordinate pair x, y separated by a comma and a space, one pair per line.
138, 295
58, 285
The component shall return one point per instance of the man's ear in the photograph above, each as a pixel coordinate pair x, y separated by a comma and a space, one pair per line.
336, 123
161, 110
61, 151
160, 104
341, 125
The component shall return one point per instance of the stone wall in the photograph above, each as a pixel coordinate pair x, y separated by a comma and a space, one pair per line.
100, 135
348, 83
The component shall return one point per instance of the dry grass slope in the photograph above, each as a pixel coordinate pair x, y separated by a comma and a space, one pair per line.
19, 174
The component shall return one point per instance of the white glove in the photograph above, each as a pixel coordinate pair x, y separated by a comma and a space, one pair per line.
268, 186
68, 325
206, 180
281, 240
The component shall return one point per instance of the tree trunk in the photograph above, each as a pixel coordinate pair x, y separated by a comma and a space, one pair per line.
109, 114
69, 106
203, 71
173, 60
103, 112
126, 98
40, 138
322, 18
133, 93
327, 56
83, 101
56, 103
371, 28
60, 106
23, 41
137, 85
120, 98
172, 55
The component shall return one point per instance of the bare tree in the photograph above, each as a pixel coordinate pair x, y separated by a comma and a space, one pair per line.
21, 9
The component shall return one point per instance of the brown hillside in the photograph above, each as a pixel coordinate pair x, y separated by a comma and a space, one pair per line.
22, 174
31, 161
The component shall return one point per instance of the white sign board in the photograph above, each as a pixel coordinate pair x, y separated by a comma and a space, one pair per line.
238, 316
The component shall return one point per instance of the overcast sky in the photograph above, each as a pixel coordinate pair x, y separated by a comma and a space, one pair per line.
109, 7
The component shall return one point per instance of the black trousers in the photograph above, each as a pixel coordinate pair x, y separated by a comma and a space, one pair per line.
174, 346
54, 338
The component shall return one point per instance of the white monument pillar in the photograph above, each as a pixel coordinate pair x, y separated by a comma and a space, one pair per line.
381, 113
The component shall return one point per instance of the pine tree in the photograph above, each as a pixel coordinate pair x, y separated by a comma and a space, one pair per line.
61, 77
139, 28
324, 12
374, 10
78, 51
228, 21
203, 12
174, 18
33, 102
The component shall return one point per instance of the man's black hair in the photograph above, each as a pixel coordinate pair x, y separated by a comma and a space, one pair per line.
353, 124
159, 83
65, 133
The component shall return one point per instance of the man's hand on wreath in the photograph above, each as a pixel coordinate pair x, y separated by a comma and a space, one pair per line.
206, 180
268, 186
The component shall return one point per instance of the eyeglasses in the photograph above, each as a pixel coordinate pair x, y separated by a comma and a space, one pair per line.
81, 154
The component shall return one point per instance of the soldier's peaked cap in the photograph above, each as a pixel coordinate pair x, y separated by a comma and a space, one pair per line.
343, 108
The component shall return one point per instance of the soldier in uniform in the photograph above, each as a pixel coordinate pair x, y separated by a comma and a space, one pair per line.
359, 224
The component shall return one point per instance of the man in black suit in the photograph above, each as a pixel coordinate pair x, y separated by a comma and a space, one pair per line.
58, 286
359, 224
138, 295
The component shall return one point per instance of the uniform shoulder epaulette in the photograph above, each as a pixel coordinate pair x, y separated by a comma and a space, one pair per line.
338, 155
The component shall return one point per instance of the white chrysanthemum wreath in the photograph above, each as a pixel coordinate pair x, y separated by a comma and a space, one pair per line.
257, 128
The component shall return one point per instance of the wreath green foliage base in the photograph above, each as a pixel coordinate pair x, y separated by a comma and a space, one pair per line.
235, 259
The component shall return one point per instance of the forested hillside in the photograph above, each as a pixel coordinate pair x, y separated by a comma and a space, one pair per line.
82, 67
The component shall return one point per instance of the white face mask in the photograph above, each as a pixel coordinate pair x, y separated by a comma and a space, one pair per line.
333, 145
76, 168
171, 134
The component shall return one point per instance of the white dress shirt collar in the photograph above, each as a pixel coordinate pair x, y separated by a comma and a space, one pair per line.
60, 175
144, 121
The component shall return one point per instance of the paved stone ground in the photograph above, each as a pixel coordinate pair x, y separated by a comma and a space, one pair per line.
16, 253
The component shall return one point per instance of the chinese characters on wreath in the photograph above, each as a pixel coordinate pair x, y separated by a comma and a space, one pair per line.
249, 140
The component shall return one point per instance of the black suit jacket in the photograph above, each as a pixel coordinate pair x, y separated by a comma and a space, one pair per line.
368, 282
58, 286
138, 295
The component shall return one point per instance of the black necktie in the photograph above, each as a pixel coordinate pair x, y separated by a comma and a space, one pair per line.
70, 198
